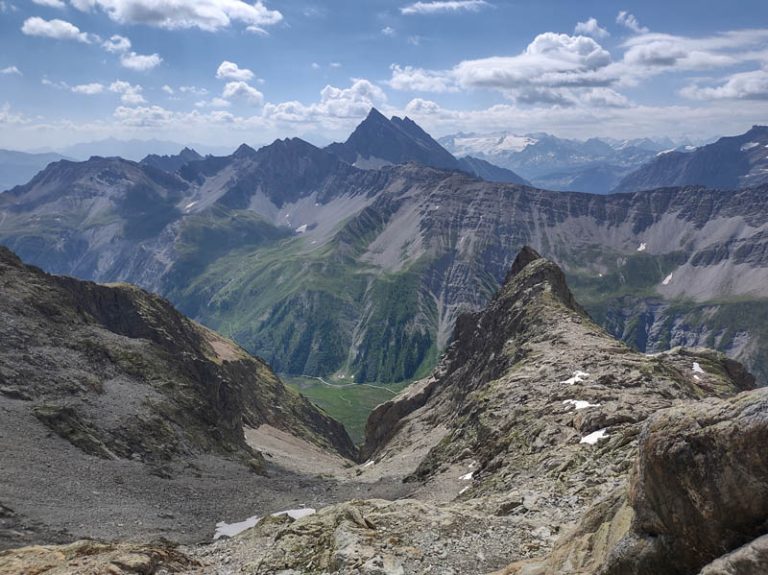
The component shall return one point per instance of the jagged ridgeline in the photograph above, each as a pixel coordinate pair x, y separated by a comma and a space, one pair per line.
348, 261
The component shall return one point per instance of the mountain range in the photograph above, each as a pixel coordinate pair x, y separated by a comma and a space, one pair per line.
729, 163
19, 167
328, 269
593, 166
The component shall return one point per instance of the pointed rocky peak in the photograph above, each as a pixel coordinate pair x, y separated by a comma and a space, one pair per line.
190, 154
526, 255
244, 151
378, 141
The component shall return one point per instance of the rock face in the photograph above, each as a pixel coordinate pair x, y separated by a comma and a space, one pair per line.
112, 399
730, 163
174, 163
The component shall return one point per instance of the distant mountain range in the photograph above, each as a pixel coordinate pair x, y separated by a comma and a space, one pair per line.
19, 167
594, 166
730, 163
326, 268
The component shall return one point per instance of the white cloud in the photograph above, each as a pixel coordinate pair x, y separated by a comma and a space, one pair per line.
315, 66
417, 79
129, 93
9, 117
168, 90
144, 116
11, 70
210, 15
244, 91
591, 28
444, 6
231, 71
335, 64
88, 89
140, 62
337, 106
742, 86
117, 44
550, 61
388, 31
629, 21
51, 3
194, 90
57, 29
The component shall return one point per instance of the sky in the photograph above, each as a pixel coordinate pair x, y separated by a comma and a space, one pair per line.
223, 72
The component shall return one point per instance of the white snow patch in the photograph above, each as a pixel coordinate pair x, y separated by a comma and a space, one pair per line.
594, 437
697, 368
749, 146
642, 247
464, 489
696, 377
368, 464
579, 404
224, 529
667, 280
190, 205
467, 476
301, 229
578, 377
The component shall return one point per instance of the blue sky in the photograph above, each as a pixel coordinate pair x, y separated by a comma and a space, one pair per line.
228, 71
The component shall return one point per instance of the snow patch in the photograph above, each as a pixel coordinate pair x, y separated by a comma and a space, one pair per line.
579, 404
641, 248
749, 146
224, 529
368, 464
667, 280
577, 377
190, 205
697, 368
301, 229
464, 490
594, 437
467, 476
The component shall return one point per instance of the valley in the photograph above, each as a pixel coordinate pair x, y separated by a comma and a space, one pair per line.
327, 269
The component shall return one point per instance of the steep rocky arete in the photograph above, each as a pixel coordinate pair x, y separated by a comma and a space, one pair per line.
540, 445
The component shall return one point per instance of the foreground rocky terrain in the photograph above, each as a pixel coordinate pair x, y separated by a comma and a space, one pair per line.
119, 417
540, 445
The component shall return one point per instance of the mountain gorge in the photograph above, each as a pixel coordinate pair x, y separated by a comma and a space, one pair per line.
328, 269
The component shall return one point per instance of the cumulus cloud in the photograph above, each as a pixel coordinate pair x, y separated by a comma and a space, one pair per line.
630, 21
10, 70
591, 28
57, 29
88, 89
244, 91
336, 104
742, 86
168, 90
194, 90
444, 6
117, 44
51, 3
129, 93
143, 116
420, 80
230, 71
388, 31
140, 62
209, 15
